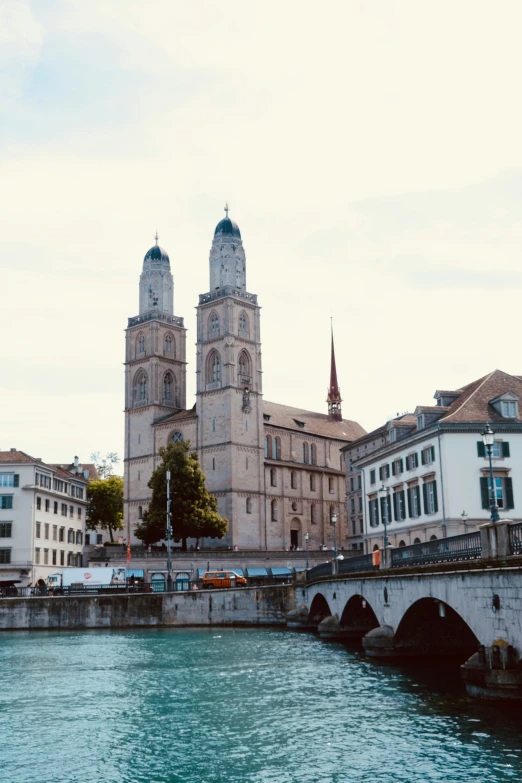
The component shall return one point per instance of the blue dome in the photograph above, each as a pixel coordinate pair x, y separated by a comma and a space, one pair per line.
227, 227
156, 253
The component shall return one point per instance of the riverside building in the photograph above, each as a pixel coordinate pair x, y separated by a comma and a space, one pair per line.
427, 473
42, 517
277, 472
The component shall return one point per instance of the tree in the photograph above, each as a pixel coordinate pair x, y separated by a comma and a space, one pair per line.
105, 509
193, 509
105, 464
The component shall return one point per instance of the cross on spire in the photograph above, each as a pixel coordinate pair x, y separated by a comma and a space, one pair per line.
227, 208
156, 237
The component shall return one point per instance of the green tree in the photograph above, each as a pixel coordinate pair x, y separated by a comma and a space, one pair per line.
105, 509
193, 509
105, 464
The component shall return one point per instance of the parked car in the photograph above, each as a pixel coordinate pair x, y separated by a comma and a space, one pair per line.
219, 579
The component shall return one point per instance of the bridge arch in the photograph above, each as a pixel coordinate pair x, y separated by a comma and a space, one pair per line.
319, 609
432, 627
358, 617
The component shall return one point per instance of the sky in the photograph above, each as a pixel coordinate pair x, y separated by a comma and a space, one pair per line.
370, 153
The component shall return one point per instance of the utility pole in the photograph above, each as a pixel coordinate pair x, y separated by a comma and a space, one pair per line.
169, 536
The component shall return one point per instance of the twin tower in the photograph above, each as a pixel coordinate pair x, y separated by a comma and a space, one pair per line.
226, 424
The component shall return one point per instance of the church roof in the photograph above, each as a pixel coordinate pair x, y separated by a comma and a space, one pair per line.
310, 422
157, 253
227, 227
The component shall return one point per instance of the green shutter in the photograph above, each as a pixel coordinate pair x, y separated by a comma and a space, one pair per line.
425, 497
16, 482
380, 473
432, 451
484, 491
401, 465
505, 451
403, 499
389, 509
395, 515
422, 458
382, 508
509, 492
435, 501
372, 477
416, 460
418, 499
393, 468
376, 510
481, 449
410, 490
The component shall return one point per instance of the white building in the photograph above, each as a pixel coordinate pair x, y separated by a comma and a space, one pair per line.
42, 518
433, 466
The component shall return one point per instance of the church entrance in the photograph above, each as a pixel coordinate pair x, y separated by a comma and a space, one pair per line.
295, 533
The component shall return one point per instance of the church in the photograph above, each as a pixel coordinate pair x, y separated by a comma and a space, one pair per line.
277, 472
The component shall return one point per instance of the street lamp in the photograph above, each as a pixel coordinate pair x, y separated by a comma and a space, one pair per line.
464, 517
383, 495
169, 536
333, 521
488, 436
307, 539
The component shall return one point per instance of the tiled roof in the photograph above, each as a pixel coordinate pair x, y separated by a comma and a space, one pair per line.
178, 415
473, 404
314, 423
65, 471
15, 457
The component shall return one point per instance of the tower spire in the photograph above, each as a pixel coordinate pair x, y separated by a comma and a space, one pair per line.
334, 395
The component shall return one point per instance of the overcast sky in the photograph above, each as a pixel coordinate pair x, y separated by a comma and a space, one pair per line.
370, 153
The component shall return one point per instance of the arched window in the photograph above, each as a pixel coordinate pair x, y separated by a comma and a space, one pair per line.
273, 478
176, 437
313, 454
140, 512
332, 512
268, 447
140, 343
313, 519
277, 448
273, 511
140, 386
168, 386
312, 482
305, 453
244, 366
433, 538
293, 479
213, 368
168, 344
213, 324
295, 533
249, 505
417, 541
401, 543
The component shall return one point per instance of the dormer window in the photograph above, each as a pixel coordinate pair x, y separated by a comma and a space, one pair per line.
421, 421
393, 435
299, 423
507, 405
266, 417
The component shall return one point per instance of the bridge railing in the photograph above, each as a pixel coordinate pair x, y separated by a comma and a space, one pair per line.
443, 550
515, 538
360, 563
324, 569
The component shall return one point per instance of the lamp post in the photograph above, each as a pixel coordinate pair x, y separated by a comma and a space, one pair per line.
383, 495
464, 517
169, 536
307, 539
333, 522
488, 436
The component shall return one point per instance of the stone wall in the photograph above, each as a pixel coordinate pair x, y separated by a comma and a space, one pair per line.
246, 606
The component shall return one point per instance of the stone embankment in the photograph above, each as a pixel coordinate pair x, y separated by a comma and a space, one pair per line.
252, 606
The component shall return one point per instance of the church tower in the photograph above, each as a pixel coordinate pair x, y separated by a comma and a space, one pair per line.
155, 376
334, 395
229, 390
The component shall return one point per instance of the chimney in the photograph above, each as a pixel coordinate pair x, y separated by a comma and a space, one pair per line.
14, 449
76, 462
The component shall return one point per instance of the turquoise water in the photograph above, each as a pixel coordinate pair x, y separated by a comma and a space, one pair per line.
237, 705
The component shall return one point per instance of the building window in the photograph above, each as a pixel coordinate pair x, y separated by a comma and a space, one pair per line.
79, 513
71, 511
9, 480
273, 482
249, 505
140, 512
69, 558
177, 437
38, 530
374, 512
412, 461
352, 505
46, 530
64, 509
273, 511
37, 556
167, 347
214, 368
414, 508
509, 409
78, 537
352, 486
61, 534
330, 485
312, 515
167, 386
87, 539
430, 497
46, 557
277, 448
62, 557
372, 477
268, 446
70, 536
313, 454
5, 555
6, 529
244, 366
399, 505
312, 482
213, 325
55, 507
499, 449
305, 453
54, 557
360, 504
55, 532
47, 504
428, 455
503, 492
397, 467
38, 504
141, 344
99, 538
244, 328
140, 387
213, 463
6, 501
359, 481
293, 479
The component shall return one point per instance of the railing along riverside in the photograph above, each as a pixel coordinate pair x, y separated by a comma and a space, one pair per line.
515, 538
443, 550
156, 315
324, 569
361, 563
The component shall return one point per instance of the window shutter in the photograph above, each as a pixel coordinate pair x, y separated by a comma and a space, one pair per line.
425, 497
509, 492
401, 465
481, 449
432, 451
409, 501
380, 473
376, 511
382, 508
403, 499
422, 458
389, 509
435, 502
416, 459
372, 477
393, 468
16, 482
484, 491
395, 514
505, 452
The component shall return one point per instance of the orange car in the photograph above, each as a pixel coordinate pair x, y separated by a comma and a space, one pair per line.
222, 579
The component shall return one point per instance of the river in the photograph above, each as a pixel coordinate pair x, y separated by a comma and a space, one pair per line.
238, 706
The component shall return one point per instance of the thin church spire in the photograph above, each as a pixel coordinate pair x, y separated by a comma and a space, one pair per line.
334, 395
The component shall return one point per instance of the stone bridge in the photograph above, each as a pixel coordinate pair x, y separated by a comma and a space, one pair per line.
467, 609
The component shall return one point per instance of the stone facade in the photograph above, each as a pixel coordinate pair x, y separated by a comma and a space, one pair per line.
244, 443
